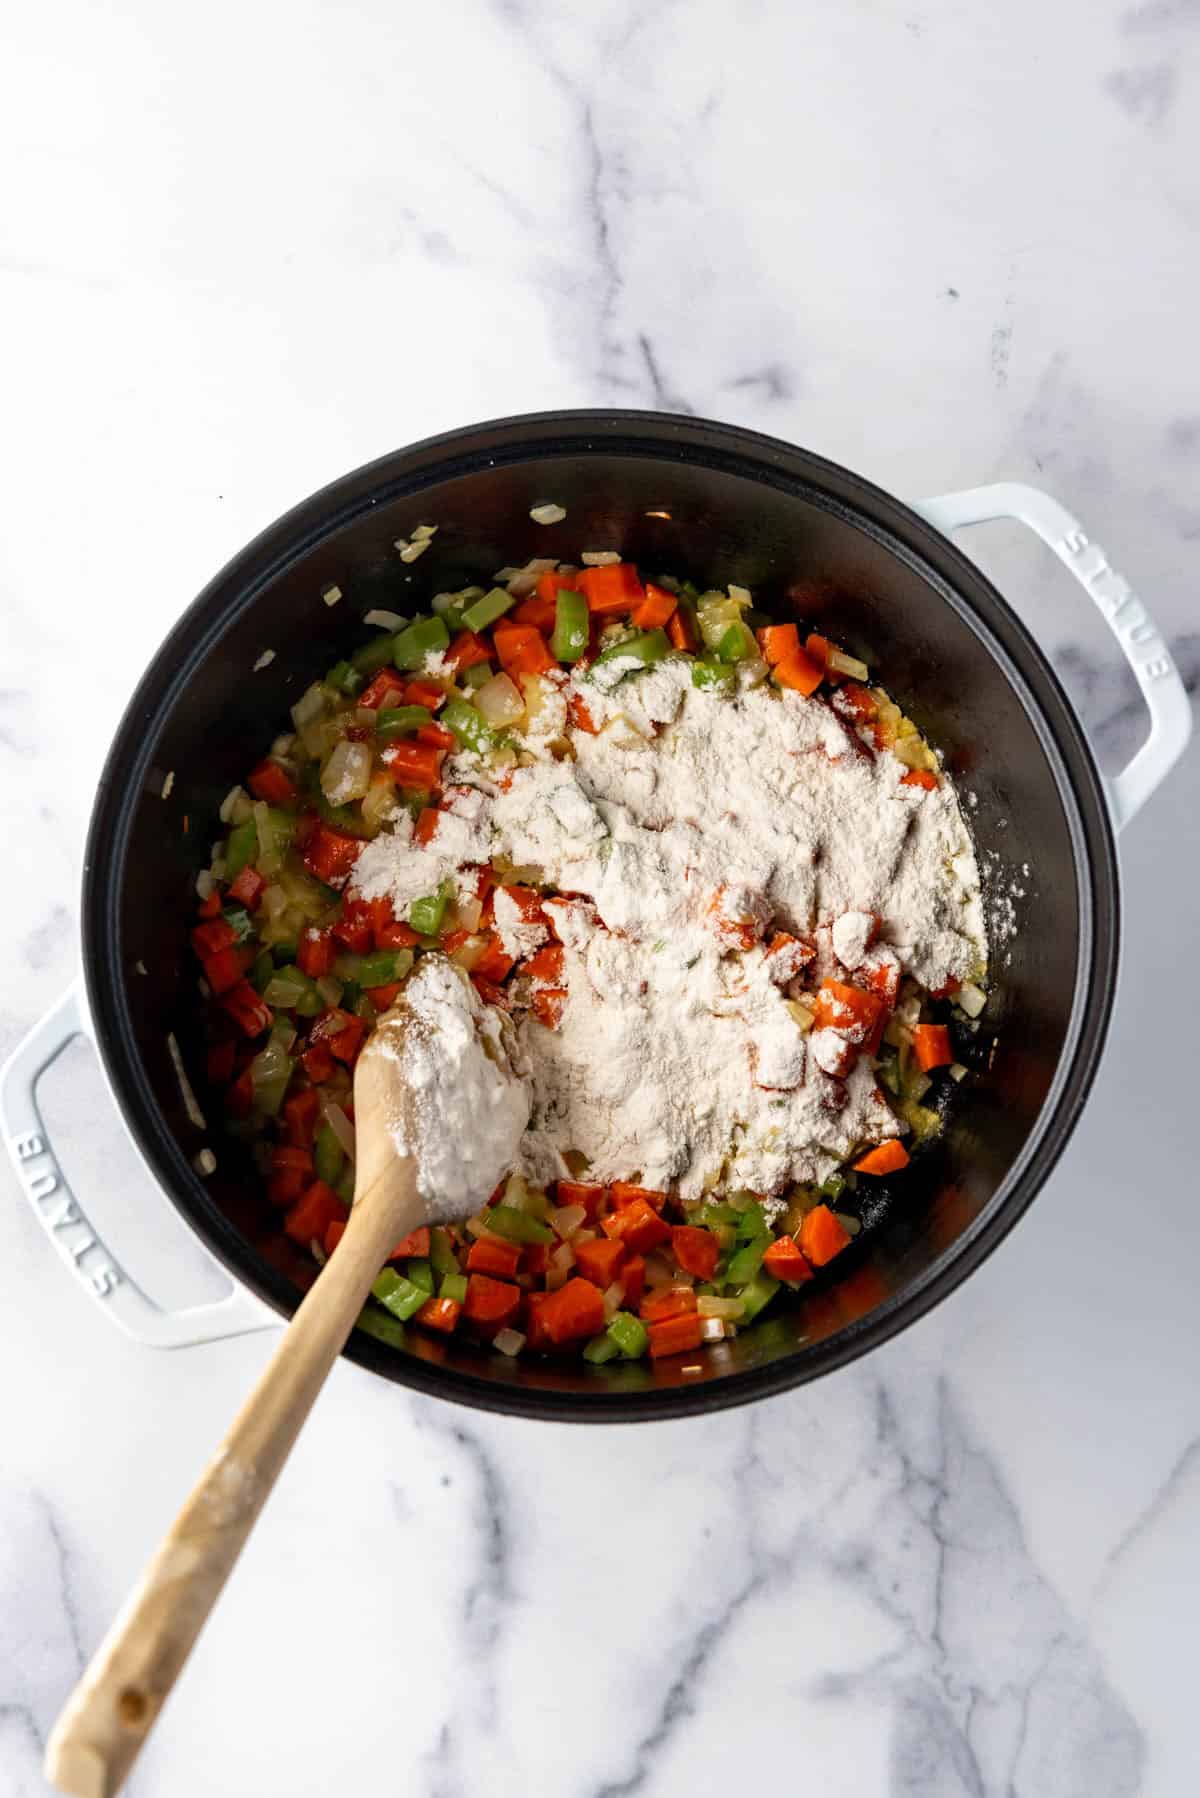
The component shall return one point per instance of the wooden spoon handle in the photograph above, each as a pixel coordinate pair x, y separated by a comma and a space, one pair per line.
110, 1713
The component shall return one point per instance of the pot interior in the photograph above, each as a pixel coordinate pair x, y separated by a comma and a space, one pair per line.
718, 505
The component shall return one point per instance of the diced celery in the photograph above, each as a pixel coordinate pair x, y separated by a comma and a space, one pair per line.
756, 1294
453, 1286
482, 612
399, 720
423, 638
712, 676
441, 1251
833, 1186
711, 1213
746, 1262
468, 725
646, 647
752, 1223
425, 915
421, 1274
241, 848
736, 644
572, 626
382, 1325
477, 675
400, 1296
374, 655
516, 1226
327, 1155
601, 1349
629, 1333
345, 678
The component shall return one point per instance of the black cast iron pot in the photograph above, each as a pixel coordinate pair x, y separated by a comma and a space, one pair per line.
720, 504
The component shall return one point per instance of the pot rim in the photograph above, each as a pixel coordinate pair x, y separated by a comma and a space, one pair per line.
758, 457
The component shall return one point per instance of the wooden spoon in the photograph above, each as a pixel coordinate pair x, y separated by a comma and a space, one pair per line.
111, 1711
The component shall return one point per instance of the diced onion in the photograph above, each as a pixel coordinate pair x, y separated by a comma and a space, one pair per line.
468, 912
168, 783
850, 1224
477, 1226
204, 884
410, 551
614, 1298
563, 1257
340, 1124
205, 1163
741, 594
957, 1071
346, 776
556, 1277
912, 752
566, 1220
500, 701
509, 1342
520, 581
217, 867
970, 998
468, 954
387, 621
918, 1086
800, 1012
309, 706
584, 1235
841, 663
227, 804
599, 558
195, 1115
264, 660
331, 595
379, 802
711, 1306
547, 514
330, 989
712, 1329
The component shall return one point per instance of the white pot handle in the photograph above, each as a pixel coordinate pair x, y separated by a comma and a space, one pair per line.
1125, 615
62, 1217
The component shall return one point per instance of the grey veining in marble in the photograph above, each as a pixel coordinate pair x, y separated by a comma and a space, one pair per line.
244, 249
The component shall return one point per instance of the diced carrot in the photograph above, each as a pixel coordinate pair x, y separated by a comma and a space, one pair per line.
528, 902
291, 1173
384, 688
311, 1215
218, 1063
538, 610
674, 1336
932, 1045
535, 1258
536, 1335
656, 609
580, 717
495, 963
415, 1243
880, 973
333, 1234
552, 579
675, 1301
633, 1279
548, 1005
599, 1261
354, 927
489, 1255
817, 648
426, 826
546, 964
247, 887
920, 777
490, 993
396, 935
611, 588
783, 1261
224, 969
575, 1310
798, 673
413, 765
697, 1251
522, 650
625, 1194
855, 701
778, 642
465, 651
491, 1304
341, 1032
300, 1116
212, 937
945, 991
638, 1225
589, 1195
382, 997
330, 854
274, 784
848, 1009
423, 692
821, 1237
210, 907
888, 1158
439, 1314
682, 632
250, 1013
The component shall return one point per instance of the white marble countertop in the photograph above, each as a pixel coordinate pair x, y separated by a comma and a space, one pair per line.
247, 248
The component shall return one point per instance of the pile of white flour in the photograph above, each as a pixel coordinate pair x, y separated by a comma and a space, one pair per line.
677, 1059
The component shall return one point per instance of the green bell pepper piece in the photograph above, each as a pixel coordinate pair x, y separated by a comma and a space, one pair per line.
712, 676
421, 1274
516, 1226
469, 726
426, 914
374, 655
241, 848
572, 626
441, 1251
601, 1349
630, 1335
327, 1155
736, 644
752, 1223
454, 1286
400, 1296
423, 638
398, 720
833, 1186
345, 678
756, 1295
646, 647
746, 1262
482, 612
